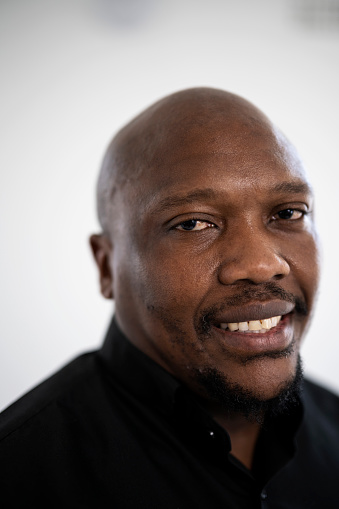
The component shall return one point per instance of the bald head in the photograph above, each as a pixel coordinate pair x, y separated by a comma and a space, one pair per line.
159, 133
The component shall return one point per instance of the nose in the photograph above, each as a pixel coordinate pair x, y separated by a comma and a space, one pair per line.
252, 256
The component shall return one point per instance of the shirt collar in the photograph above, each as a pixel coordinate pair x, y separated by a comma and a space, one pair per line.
150, 383
137, 372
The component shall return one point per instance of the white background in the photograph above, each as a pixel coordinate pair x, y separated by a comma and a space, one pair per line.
72, 73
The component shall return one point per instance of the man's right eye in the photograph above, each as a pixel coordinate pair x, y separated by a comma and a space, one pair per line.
194, 225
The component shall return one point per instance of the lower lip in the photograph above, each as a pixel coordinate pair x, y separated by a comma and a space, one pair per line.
276, 339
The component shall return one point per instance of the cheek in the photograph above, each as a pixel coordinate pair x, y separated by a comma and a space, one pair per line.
178, 276
167, 275
304, 257
163, 291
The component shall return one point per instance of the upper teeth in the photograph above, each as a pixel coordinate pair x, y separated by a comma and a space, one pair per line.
252, 325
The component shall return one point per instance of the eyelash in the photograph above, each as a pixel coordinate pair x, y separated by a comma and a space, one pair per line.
179, 227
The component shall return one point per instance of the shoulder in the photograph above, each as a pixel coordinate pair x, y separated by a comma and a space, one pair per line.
42, 402
58, 434
321, 407
316, 395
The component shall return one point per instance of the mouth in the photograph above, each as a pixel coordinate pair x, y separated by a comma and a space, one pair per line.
256, 318
251, 326
257, 335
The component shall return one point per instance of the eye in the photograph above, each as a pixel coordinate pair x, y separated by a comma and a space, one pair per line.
194, 225
289, 214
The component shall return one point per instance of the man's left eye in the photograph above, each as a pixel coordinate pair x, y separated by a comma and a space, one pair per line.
291, 214
193, 225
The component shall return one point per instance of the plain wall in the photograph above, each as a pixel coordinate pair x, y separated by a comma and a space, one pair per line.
72, 73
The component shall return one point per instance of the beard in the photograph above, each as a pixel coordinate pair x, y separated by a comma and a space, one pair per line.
219, 389
233, 398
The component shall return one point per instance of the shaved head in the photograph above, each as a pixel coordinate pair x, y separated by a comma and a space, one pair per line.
171, 123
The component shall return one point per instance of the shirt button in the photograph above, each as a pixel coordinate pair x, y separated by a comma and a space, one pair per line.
263, 495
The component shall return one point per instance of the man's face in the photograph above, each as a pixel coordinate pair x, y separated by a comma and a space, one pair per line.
218, 238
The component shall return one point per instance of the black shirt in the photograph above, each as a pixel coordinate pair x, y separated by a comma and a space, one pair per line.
113, 429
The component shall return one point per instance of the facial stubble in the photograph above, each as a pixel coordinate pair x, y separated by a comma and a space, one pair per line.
233, 397
217, 387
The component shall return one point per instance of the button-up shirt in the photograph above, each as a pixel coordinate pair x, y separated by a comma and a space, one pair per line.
114, 429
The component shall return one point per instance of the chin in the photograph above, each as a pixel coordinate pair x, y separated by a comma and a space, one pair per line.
266, 388
267, 378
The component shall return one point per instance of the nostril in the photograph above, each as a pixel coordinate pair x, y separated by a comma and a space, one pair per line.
277, 277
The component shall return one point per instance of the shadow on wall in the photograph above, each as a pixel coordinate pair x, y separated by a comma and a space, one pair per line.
317, 14
322, 15
123, 14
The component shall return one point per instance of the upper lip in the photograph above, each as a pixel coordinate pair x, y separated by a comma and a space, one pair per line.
255, 311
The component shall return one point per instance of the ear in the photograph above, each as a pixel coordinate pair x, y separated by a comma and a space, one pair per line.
102, 250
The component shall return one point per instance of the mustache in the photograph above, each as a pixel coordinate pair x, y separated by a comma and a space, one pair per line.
246, 295
264, 292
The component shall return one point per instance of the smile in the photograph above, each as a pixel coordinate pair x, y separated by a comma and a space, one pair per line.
256, 326
253, 337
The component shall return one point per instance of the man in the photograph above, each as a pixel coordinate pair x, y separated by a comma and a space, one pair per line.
209, 251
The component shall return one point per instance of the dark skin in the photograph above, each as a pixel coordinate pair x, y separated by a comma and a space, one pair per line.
211, 209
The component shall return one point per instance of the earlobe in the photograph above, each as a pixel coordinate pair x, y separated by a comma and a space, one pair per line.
102, 250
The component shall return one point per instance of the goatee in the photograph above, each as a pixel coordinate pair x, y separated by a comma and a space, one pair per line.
235, 399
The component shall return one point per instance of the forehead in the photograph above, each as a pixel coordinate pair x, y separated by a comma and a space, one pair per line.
241, 163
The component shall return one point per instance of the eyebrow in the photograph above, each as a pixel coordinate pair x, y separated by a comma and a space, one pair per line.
193, 196
209, 194
292, 187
